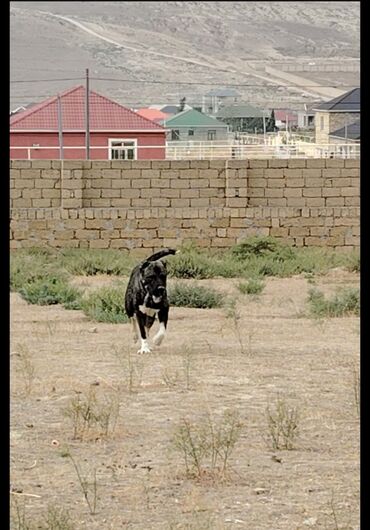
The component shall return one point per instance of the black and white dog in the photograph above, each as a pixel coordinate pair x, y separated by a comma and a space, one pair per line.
146, 297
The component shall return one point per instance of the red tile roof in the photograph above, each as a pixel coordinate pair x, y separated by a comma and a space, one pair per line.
284, 115
105, 114
153, 114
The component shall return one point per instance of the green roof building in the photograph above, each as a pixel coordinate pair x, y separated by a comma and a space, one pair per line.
242, 117
192, 125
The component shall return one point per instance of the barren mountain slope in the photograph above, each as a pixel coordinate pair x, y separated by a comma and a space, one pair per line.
170, 42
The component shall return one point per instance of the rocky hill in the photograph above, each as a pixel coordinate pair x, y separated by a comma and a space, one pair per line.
149, 48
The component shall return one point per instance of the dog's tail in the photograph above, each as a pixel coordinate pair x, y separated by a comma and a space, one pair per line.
161, 254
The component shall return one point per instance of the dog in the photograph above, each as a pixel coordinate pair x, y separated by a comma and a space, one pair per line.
146, 298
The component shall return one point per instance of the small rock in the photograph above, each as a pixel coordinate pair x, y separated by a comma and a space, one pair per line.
311, 521
93, 330
29, 425
55, 443
259, 491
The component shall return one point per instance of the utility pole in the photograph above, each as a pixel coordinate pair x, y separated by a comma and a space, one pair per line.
60, 128
87, 115
61, 152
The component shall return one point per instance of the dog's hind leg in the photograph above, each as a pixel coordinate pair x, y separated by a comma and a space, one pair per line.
163, 318
135, 328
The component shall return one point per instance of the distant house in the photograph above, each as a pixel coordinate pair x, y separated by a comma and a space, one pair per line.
217, 98
192, 125
345, 135
242, 117
170, 109
154, 115
306, 118
285, 119
119, 132
335, 114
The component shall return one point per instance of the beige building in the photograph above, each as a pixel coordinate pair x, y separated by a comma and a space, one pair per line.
340, 112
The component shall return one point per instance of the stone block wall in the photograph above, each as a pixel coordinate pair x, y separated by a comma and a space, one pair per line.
140, 206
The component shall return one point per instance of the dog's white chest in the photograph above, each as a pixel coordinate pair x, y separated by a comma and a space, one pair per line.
148, 310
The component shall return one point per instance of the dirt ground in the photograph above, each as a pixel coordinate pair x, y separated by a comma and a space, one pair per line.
207, 362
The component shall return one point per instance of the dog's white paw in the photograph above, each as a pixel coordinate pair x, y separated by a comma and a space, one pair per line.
143, 350
144, 347
157, 339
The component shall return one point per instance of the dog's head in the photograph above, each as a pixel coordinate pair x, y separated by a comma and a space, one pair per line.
154, 276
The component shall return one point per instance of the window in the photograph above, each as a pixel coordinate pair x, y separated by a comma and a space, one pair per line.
321, 123
120, 149
191, 132
175, 134
211, 135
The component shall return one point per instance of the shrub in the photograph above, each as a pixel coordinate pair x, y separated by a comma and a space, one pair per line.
207, 445
282, 423
345, 302
354, 262
256, 246
51, 290
252, 286
106, 305
91, 262
190, 264
26, 267
182, 295
87, 412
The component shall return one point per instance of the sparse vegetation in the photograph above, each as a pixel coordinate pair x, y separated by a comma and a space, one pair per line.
253, 257
106, 305
28, 266
87, 412
89, 263
191, 264
132, 368
89, 488
55, 518
158, 467
52, 289
345, 302
282, 425
233, 313
25, 367
252, 286
183, 295
206, 445
356, 390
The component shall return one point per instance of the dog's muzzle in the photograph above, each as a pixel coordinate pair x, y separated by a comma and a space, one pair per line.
158, 294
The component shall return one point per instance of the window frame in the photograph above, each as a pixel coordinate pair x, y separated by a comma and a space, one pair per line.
173, 133
214, 132
122, 140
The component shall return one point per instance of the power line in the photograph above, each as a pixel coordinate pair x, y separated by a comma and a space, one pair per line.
190, 83
47, 80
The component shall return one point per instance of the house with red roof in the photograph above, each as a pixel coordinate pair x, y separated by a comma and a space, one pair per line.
155, 115
285, 118
116, 132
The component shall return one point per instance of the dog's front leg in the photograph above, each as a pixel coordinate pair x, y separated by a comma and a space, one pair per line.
163, 318
144, 342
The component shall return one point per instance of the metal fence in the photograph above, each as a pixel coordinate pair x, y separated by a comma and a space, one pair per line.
195, 151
